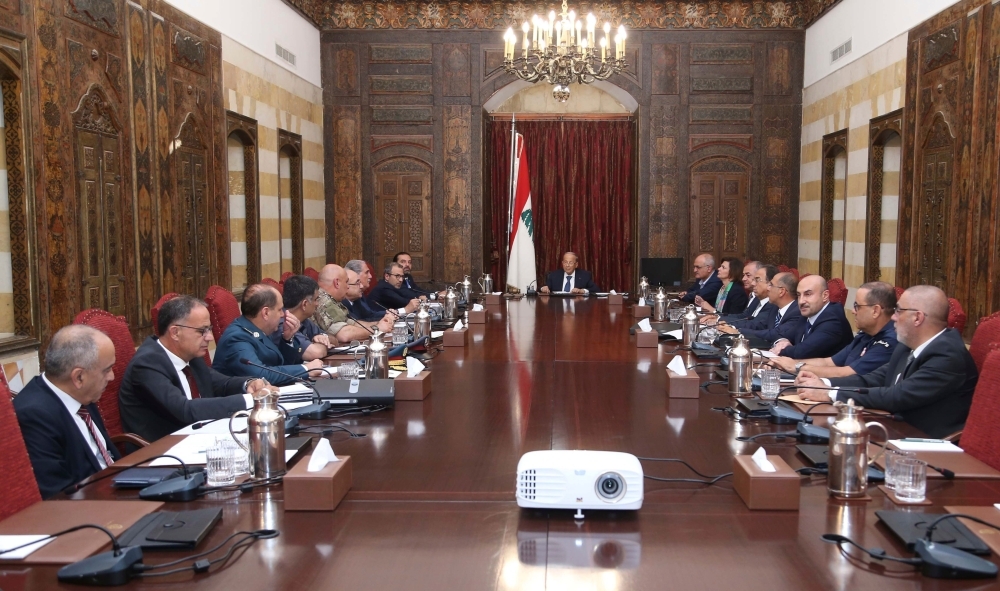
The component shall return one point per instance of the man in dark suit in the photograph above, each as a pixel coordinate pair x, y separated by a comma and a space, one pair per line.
300, 297
60, 422
780, 318
570, 279
930, 378
168, 385
759, 302
826, 329
707, 283
249, 337
409, 285
356, 303
388, 294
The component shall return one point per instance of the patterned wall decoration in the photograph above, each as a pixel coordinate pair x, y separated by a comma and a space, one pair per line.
778, 214
290, 144
665, 78
743, 141
456, 75
24, 324
457, 191
344, 160
245, 183
705, 53
881, 129
779, 66
666, 207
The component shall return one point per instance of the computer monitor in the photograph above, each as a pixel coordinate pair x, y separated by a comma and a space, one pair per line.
668, 272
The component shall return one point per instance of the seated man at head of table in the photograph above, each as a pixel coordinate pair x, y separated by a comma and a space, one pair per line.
331, 315
388, 294
870, 349
826, 330
707, 284
249, 338
57, 411
570, 279
300, 297
782, 319
168, 385
930, 378
355, 302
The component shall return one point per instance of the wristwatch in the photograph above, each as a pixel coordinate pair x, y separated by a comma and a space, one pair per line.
798, 366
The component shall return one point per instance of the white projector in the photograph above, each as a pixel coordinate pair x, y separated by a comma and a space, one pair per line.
577, 479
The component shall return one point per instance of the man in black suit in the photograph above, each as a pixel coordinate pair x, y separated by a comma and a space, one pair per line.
388, 292
168, 385
356, 304
60, 422
780, 318
570, 279
759, 303
826, 329
408, 285
707, 284
930, 378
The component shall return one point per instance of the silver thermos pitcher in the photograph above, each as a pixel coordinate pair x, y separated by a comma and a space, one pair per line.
644, 289
848, 458
486, 283
465, 288
422, 322
740, 367
451, 304
377, 358
266, 435
660, 302
690, 325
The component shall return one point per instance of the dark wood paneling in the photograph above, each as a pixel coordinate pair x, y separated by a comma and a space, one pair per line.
880, 130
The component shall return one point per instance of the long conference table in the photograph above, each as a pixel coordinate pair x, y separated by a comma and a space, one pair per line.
432, 504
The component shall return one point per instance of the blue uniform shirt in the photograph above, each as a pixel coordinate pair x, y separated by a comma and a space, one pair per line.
867, 353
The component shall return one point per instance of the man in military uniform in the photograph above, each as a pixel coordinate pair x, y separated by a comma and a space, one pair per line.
332, 316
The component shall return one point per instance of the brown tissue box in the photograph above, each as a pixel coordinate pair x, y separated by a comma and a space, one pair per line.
491, 299
679, 386
615, 299
477, 316
646, 339
416, 388
641, 311
777, 490
317, 491
456, 338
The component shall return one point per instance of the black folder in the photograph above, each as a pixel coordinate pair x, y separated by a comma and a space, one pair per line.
910, 527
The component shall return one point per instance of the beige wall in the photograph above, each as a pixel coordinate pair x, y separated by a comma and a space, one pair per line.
277, 99
869, 87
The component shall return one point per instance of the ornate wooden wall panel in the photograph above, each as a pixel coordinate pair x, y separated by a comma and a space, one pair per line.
457, 191
343, 184
665, 201
834, 144
881, 130
290, 144
21, 231
245, 130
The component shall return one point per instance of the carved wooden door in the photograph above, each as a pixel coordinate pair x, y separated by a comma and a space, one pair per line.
718, 214
932, 264
192, 189
100, 221
403, 216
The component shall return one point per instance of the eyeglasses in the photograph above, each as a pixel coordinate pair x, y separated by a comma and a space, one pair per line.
204, 330
899, 310
700, 266
358, 282
858, 306
759, 280
395, 275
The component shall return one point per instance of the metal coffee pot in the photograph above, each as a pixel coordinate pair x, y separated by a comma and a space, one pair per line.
660, 303
377, 357
848, 458
422, 322
740, 367
464, 288
486, 283
689, 322
451, 304
266, 435
644, 289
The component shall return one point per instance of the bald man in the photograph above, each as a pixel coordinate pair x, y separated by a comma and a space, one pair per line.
707, 283
332, 316
570, 279
929, 380
826, 330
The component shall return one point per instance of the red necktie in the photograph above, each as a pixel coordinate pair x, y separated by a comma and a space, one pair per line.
191, 383
98, 438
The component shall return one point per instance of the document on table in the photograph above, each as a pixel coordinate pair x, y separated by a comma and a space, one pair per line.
764, 354
903, 445
7, 542
437, 334
192, 450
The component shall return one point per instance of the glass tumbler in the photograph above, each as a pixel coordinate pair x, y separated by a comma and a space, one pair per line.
400, 333
675, 314
770, 383
219, 467
348, 370
891, 457
910, 479
241, 457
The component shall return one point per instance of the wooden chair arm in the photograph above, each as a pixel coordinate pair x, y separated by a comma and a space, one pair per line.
129, 438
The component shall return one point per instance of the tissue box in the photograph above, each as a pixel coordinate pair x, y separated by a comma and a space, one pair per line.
678, 386
317, 491
615, 299
646, 339
641, 311
456, 338
415, 388
491, 299
778, 490
477, 316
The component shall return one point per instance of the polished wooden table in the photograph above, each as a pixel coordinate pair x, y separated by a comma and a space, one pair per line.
432, 506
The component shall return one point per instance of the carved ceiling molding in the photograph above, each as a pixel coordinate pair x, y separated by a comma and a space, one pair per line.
699, 14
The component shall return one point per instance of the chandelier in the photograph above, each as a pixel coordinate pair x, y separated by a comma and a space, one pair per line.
562, 52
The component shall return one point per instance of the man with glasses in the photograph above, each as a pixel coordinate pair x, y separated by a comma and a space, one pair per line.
389, 296
870, 349
760, 306
707, 283
168, 385
826, 329
332, 316
930, 378
356, 303
300, 296
782, 321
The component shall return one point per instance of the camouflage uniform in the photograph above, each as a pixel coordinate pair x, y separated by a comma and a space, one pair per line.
331, 315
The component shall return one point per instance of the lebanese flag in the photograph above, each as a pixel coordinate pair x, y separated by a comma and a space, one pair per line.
521, 257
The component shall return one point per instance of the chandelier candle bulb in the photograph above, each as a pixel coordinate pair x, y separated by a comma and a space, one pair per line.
604, 49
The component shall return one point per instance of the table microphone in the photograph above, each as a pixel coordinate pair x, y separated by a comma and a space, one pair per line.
370, 331
393, 312
531, 291
316, 411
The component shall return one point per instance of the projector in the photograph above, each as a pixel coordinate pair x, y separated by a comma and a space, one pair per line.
578, 479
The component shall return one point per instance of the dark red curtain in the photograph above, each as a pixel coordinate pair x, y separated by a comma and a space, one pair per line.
582, 191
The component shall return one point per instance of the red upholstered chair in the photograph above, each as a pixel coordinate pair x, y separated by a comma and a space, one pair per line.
899, 292
783, 268
804, 275
21, 490
956, 315
154, 312
981, 438
285, 276
222, 308
274, 284
838, 291
986, 336
311, 273
795, 272
376, 277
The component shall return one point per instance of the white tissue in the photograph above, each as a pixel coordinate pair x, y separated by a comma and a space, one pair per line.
497, 293
477, 307
613, 292
676, 365
759, 457
642, 301
321, 456
413, 367
459, 325
645, 325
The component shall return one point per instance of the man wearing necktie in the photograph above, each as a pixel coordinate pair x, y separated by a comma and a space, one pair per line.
930, 378
57, 411
571, 279
826, 327
779, 319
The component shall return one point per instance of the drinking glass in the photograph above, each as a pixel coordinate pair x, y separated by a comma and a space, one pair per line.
241, 457
348, 370
911, 479
675, 314
770, 383
891, 457
219, 467
400, 333
708, 335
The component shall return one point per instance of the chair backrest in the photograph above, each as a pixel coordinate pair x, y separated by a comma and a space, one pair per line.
21, 490
268, 281
285, 276
899, 292
981, 438
956, 315
795, 272
983, 340
783, 268
154, 312
222, 309
116, 327
838, 291
311, 273
376, 277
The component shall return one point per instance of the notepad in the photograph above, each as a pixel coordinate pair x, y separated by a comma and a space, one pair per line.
924, 446
15, 541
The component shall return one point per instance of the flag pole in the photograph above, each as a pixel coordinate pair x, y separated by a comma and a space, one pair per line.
510, 194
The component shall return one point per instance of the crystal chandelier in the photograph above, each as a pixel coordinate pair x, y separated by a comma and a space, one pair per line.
563, 51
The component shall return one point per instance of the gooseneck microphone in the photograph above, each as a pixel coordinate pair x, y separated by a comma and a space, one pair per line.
530, 290
368, 330
307, 380
317, 410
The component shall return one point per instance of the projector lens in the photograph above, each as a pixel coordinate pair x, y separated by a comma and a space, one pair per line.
610, 486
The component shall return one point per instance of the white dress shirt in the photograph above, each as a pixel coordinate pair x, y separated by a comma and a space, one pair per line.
760, 306
812, 319
916, 353
179, 365
781, 311
73, 406
572, 282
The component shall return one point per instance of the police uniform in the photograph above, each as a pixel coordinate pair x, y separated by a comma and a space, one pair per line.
331, 315
866, 352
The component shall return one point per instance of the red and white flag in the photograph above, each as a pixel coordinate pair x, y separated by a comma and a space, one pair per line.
521, 253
